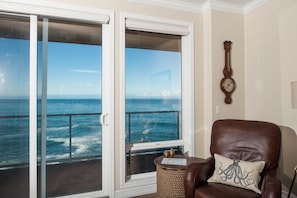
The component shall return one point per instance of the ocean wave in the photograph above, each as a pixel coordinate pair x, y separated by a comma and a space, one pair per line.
19, 135
80, 145
146, 131
57, 156
61, 128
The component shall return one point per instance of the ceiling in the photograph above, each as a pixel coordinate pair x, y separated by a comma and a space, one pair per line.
200, 6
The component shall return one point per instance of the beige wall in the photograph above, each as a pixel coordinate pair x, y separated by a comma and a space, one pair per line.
270, 66
263, 80
271, 62
218, 27
228, 26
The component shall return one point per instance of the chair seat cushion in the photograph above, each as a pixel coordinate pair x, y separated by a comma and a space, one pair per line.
238, 173
216, 190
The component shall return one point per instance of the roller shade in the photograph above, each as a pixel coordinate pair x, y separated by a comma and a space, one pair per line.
57, 10
157, 27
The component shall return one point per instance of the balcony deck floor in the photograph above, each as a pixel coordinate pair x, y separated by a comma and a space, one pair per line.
67, 178
62, 179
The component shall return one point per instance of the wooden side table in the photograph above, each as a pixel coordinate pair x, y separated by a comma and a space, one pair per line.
170, 178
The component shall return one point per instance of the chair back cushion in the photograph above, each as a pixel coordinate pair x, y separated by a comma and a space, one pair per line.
247, 140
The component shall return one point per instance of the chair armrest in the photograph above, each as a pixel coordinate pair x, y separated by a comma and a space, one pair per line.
271, 186
197, 174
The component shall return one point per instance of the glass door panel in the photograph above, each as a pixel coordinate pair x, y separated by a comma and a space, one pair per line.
14, 106
70, 55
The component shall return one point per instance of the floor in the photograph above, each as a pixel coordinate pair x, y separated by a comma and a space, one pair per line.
68, 178
62, 179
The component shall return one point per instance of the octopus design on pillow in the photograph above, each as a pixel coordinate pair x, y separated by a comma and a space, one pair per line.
235, 172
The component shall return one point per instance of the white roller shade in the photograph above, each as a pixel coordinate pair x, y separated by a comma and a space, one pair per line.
157, 27
56, 9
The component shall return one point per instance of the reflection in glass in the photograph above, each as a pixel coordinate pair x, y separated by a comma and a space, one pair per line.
14, 106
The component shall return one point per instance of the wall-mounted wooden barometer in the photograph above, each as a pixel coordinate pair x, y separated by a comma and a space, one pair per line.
227, 83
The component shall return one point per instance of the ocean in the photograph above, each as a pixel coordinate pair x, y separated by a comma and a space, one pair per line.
73, 129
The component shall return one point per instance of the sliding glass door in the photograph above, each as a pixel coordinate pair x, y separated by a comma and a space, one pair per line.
55, 85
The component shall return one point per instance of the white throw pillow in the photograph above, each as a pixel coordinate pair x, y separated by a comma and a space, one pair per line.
237, 173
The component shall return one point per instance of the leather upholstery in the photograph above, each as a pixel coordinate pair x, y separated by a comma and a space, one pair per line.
241, 140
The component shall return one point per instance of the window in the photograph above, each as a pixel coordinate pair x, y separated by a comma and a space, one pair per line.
157, 82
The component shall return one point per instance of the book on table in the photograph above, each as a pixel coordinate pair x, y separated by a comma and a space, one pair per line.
174, 161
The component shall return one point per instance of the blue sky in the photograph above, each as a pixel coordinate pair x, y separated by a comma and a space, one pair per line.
75, 70
152, 73
14, 67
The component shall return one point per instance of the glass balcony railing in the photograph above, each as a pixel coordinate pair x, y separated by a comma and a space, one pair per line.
75, 137
73, 144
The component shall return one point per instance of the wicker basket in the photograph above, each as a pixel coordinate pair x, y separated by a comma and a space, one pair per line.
170, 182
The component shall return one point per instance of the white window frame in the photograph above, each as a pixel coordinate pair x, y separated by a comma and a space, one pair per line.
142, 182
68, 11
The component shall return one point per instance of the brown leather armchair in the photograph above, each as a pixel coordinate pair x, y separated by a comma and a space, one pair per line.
241, 140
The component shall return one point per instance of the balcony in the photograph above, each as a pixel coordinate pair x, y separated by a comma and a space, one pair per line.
62, 176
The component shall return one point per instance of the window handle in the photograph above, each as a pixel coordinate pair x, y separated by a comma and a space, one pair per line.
103, 119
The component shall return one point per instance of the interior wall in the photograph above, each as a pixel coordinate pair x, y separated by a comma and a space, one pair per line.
228, 26
218, 27
271, 64
262, 73
288, 63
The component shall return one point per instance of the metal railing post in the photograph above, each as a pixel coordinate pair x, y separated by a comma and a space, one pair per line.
70, 136
177, 125
129, 128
